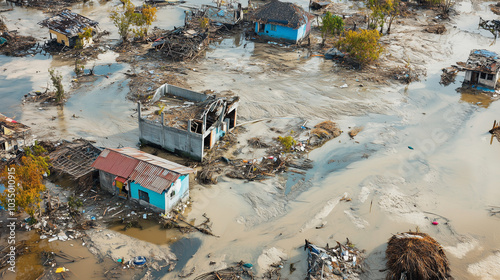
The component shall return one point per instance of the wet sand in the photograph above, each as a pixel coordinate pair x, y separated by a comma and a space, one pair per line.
450, 172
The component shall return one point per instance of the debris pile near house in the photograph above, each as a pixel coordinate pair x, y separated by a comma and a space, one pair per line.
241, 270
175, 220
449, 75
495, 8
323, 132
46, 5
416, 255
318, 5
343, 261
406, 74
495, 130
12, 44
493, 26
436, 29
182, 44
74, 159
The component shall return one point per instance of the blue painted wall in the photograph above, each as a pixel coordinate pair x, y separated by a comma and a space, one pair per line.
282, 32
155, 198
183, 192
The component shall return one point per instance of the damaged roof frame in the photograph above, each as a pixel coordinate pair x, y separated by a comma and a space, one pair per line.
68, 23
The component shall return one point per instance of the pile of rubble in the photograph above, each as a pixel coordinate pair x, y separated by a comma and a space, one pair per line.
339, 262
181, 43
12, 44
449, 75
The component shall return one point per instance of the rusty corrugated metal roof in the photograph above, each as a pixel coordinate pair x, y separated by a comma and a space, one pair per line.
115, 163
153, 177
151, 172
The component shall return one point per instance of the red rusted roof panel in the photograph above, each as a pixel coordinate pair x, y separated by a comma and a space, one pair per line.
115, 163
153, 177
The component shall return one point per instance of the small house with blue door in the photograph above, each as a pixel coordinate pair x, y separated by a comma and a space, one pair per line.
282, 21
148, 179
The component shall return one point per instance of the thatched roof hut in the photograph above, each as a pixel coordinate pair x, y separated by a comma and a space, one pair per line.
416, 256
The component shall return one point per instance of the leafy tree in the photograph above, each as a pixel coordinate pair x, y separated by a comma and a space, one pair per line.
83, 36
127, 20
28, 186
56, 79
363, 45
330, 25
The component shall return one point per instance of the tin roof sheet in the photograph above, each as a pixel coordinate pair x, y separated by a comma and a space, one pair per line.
151, 172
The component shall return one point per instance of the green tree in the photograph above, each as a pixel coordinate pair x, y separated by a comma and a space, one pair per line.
363, 45
330, 25
84, 36
56, 79
127, 20
24, 182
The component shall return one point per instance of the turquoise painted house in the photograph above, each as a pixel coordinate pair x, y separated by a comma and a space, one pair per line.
282, 21
148, 179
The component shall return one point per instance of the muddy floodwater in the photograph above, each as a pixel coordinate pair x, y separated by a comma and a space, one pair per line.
449, 175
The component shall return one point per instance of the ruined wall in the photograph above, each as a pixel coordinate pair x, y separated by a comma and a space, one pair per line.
171, 139
177, 91
106, 179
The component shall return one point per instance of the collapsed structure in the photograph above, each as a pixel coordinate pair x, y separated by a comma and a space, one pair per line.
67, 26
187, 122
481, 69
13, 135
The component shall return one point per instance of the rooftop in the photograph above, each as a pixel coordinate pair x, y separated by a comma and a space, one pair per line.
151, 172
483, 61
68, 23
282, 13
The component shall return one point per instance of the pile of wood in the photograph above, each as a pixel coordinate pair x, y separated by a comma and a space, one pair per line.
416, 255
343, 261
323, 132
18, 45
495, 131
236, 272
436, 29
495, 8
182, 44
449, 75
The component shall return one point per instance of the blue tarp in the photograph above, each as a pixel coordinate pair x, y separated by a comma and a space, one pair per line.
2, 41
486, 53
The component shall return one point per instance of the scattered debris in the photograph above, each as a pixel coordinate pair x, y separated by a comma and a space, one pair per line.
318, 5
416, 255
449, 75
495, 131
437, 29
493, 26
494, 210
323, 132
343, 261
355, 130
495, 8
238, 271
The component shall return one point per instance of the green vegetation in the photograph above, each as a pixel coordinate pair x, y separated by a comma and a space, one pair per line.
363, 45
288, 142
56, 79
331, 25
128, 20
84, 36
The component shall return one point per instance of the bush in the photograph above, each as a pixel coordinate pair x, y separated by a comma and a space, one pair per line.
363, 46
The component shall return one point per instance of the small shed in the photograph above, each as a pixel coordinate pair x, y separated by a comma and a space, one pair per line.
66, 26
481, 69
148, 179
283, 21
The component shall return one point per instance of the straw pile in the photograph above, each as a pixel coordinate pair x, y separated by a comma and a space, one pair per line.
326, 129
416, 255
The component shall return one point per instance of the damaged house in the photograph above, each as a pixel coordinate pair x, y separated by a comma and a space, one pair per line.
67, 26
148, 179
229, 14
191, 123
13, 135
481, 69
282, 21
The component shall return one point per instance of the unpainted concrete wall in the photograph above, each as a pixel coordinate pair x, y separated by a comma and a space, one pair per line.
106, 179
177, 91
171, 139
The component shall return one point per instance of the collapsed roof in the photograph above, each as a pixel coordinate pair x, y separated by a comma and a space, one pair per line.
482, 61
68, 23
282, 13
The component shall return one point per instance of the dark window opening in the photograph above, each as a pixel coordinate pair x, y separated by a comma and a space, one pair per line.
172, 194
490, 77
232, 119
144, 196
262, 27
483, 75
196, 126
206, 142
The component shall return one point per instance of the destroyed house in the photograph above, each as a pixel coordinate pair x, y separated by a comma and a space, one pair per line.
228, 14
481, 69
187, 122
148, 179
13, 135
66, 27
282, 21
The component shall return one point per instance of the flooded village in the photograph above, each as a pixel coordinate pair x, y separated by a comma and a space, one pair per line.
172, 139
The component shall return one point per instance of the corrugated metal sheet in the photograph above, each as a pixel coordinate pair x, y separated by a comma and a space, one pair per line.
151, 172
115, 163
154, 160
152, 177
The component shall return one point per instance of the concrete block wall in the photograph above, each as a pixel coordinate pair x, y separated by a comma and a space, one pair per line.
177, 91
